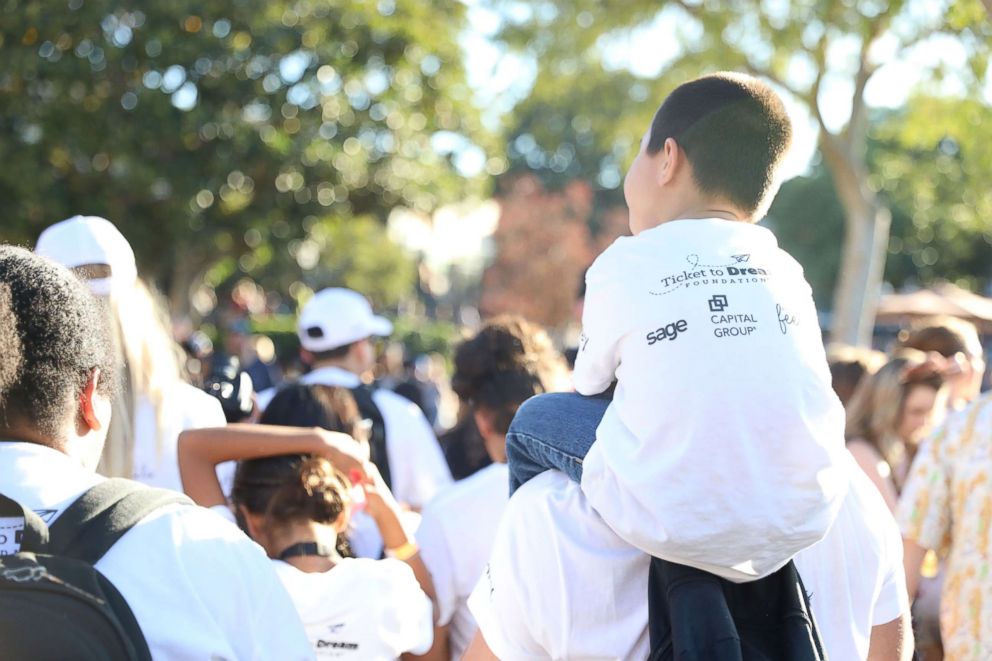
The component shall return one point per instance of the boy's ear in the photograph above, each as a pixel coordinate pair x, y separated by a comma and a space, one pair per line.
670, 160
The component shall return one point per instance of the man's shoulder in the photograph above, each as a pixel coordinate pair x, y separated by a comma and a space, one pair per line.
552, 500
866, 515
191, 527
189, 546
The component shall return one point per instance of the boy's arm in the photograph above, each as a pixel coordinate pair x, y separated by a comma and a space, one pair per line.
603, 324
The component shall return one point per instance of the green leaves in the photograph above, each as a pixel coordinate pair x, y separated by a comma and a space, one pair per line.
190, 123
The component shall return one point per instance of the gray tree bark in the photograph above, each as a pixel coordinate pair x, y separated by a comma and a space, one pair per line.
866, 239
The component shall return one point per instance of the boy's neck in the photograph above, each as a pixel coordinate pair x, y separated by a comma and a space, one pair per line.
697, 210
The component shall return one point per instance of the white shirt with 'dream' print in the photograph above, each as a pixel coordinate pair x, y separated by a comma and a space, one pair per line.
722, 446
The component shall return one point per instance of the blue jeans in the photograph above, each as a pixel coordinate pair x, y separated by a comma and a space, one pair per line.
554, 430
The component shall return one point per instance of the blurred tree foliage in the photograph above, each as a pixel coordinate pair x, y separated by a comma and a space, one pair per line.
269, 136
931, 161
933, 176
587, 110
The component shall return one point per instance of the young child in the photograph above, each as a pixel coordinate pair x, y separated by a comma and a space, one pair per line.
722, 447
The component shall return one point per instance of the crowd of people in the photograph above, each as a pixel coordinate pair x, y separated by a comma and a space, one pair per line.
705, 480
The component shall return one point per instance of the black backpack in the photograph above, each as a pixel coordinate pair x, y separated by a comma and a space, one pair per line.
693, 615
53, 603
377, 439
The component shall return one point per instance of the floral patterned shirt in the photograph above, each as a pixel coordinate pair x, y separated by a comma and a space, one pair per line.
946, 505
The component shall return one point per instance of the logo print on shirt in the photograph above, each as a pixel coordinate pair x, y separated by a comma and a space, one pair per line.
668, 332
730, 325
734, 273
785, 319
718, 303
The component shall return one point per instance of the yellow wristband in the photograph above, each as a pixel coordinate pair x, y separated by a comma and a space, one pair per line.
404, 552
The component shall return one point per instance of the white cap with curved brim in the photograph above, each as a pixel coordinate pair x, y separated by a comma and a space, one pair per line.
335, 317
91, 240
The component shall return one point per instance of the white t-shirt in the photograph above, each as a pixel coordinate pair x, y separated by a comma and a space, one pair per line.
723, 391
185, 407
361, 609
416, 463
456, 536
561, 585
198, 587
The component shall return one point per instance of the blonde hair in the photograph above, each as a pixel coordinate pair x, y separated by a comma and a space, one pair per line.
875, 409
151, 368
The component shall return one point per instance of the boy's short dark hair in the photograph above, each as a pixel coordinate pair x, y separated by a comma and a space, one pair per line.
734, 131
53, 334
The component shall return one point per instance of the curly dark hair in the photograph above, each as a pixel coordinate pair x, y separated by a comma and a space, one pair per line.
54, 333
291, 488
506, 363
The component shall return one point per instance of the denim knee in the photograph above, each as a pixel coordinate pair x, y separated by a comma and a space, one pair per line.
537, 413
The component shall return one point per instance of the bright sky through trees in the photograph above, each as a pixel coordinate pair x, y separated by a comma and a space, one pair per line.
500, 79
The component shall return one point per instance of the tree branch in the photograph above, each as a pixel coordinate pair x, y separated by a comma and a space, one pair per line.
857, 126
820, 59
755, 70
696, 11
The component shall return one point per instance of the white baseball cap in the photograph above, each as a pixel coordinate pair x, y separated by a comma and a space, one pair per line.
335, 317
85, 240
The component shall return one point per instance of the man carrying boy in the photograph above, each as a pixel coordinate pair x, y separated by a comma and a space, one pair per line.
722, 447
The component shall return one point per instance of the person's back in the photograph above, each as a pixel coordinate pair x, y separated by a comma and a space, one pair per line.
720, 449
379, 612
576, 590
296, 502
197, 587
721, 381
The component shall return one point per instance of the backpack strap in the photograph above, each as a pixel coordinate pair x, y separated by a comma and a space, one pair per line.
814, 627
35, 536
90, 526
377, 440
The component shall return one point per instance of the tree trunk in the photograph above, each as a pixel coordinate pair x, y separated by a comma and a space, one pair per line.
860, 280
866, 239
185, 271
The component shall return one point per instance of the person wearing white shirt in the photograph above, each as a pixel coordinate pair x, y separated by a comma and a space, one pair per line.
154, 404
506, 362
197, 586
335, 327
292, 497
721, 449
560, 584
